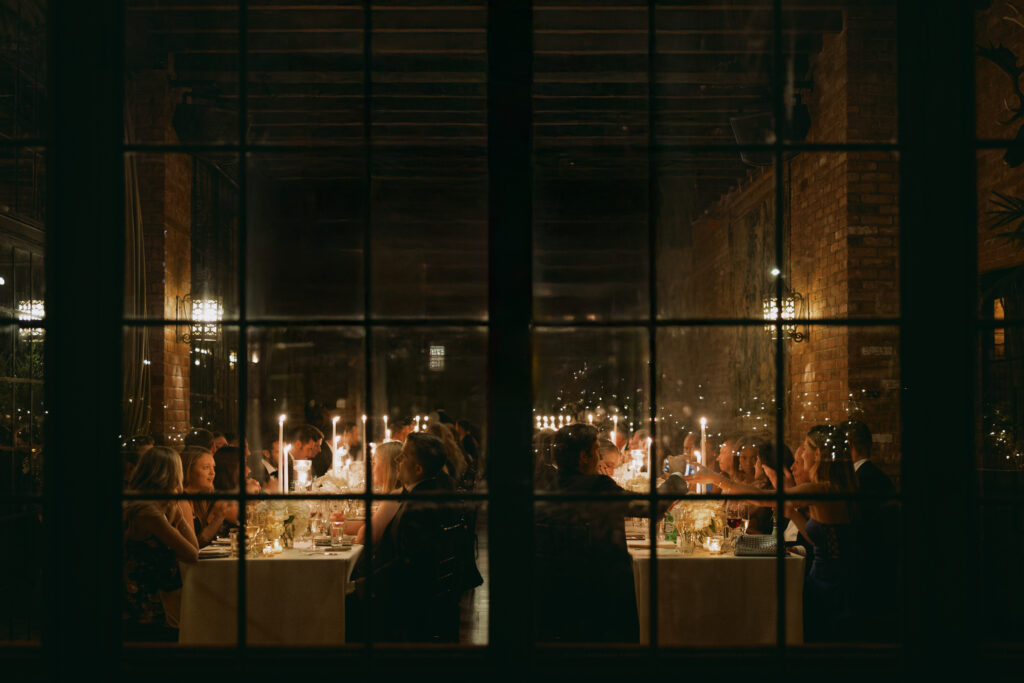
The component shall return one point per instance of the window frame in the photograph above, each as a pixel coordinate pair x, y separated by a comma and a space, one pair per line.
85, 197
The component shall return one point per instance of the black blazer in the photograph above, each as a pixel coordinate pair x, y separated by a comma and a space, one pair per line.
872, 480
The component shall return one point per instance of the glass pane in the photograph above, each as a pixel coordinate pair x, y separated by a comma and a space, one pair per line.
716, 238
713, 66
839, 374
1000, 237
691, 568
429, 161
590, 158
22, 410
430, 239
430, 584
180, 388
306, 218
585, 590
997, 35
181, 72
181, 228
23, 192
841, 235
595, 377
434, 380
308, 376
1001, 440
305, 74
23, 72
716, 388
1001, 529
841, 66
21, 619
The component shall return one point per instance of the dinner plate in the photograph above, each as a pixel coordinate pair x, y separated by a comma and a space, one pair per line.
206, 554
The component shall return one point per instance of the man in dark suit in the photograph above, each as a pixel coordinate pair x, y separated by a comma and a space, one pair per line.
583, 573
405, 563
878, 540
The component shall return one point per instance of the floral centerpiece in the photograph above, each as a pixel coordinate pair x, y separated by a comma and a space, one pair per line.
700, 518
283, 519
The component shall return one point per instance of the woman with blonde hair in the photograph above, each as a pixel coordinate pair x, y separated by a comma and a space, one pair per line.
200, 470
157, 534
385, 480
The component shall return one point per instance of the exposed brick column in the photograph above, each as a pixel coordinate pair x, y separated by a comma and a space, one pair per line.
165, 185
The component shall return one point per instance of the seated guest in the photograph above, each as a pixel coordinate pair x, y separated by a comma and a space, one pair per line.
830, 591
385, 480
401, 428
157, 534
762, 453
203, 438
585, 589
455, 460
545, 474
207, 516
220, 440
405, 561
880, 524
349, 439
226, 480
610, 457
305, 442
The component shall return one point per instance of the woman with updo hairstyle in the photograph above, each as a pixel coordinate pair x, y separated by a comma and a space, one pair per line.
455, 461
830, 590
157, 534
199, 468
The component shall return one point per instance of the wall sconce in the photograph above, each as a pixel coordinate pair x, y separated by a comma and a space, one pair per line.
776, 311
198, 319
34, 309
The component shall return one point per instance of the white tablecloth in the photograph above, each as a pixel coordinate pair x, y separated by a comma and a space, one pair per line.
717, 600
294, 598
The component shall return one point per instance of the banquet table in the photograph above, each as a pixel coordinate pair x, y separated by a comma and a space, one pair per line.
717, 600
294, 598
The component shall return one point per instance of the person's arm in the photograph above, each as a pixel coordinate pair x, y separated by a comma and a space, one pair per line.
185, 548
799, 520
381, 518
733, 487
211, 525
181, 519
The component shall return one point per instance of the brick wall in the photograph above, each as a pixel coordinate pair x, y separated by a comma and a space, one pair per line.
165, 186
994, 96
841, 255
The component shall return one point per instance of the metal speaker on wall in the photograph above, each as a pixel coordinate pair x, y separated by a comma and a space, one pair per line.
758, 128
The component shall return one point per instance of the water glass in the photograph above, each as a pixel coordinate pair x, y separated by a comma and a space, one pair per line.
233, 542
337, 534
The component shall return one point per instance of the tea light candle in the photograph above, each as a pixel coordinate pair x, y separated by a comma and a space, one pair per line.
277, 549
268, 549
715, 545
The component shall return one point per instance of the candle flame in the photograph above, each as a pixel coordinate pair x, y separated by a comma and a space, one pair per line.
281, 419
703, 422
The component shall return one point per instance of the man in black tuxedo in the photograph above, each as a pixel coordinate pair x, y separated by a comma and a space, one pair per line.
405, 562
878, 539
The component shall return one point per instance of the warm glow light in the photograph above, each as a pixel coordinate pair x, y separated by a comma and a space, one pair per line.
31, 310
206, 317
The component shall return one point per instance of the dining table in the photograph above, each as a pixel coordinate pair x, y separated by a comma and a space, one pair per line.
716, 600
296, 597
